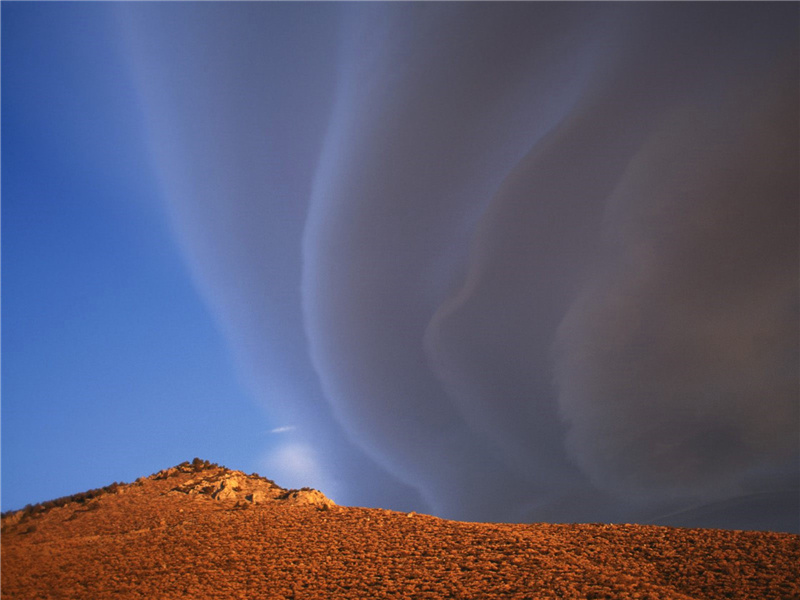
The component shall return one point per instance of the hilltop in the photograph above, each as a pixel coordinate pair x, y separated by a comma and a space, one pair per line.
199, 530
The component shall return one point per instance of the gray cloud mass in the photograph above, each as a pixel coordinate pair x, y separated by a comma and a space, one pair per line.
514, 261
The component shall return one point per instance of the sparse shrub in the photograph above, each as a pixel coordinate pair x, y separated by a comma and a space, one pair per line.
199, 464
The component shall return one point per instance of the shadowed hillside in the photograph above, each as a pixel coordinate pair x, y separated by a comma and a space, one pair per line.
203, 531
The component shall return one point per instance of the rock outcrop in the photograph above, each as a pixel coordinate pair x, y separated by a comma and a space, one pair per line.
222, 484
308, 497
225, 485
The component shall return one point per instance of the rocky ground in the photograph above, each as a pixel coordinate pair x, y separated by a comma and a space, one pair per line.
202, 531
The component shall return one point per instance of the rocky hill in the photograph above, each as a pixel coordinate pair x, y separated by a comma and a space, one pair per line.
203, 531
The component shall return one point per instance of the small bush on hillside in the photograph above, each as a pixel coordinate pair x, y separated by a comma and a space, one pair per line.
31, 510
199, 464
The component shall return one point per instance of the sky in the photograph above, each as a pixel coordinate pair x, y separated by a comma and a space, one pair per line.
489, 261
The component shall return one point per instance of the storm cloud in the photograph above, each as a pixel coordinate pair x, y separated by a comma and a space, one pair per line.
499, 261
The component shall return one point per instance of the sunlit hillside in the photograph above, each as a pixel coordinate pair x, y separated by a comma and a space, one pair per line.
203, 531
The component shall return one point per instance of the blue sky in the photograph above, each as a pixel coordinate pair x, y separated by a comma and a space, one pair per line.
113, 366
491, 261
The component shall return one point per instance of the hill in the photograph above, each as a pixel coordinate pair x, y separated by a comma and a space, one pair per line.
203, 531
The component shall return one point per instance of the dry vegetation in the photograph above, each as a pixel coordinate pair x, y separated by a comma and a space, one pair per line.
201, 531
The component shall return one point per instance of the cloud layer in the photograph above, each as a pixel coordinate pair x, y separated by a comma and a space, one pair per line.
533, 261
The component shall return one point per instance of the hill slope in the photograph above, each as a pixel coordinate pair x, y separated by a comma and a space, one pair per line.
202, 531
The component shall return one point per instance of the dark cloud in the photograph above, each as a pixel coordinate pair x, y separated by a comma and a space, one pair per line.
678, 360
536, 261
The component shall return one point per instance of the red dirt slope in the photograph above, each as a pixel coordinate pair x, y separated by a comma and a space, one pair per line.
206, 532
